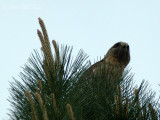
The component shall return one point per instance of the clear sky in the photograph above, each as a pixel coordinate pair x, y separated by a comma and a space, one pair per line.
93, 25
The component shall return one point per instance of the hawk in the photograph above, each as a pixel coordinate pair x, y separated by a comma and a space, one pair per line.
116, 59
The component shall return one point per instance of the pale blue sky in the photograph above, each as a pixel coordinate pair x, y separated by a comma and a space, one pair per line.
93, 25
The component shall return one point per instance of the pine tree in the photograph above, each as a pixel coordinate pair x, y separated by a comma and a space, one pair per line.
54, 87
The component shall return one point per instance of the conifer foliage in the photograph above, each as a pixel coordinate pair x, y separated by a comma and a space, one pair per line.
54, 87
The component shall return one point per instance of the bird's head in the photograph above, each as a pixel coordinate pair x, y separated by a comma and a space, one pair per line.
119, 52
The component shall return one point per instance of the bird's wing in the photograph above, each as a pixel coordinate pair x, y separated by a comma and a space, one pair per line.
93, 67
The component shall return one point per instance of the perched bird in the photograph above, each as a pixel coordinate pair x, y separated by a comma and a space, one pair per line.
116, 59
100, 81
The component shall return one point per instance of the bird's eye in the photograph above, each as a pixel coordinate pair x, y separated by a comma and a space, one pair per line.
116, 45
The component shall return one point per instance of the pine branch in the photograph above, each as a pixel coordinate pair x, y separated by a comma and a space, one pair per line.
55, 86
